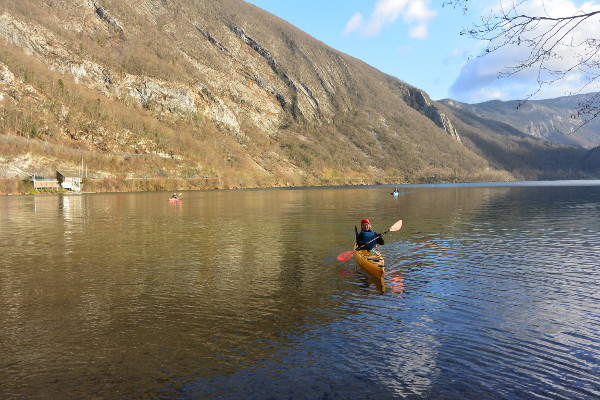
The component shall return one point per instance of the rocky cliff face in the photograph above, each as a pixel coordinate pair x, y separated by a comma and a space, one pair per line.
418, 100
550, 120
262, 78
165, 98
262, 94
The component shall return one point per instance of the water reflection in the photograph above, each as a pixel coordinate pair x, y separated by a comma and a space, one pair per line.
490, 293
397, 284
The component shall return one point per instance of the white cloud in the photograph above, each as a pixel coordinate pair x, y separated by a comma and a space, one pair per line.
353, 24
415, 13
386, 12
419, 31
479, 77
419, 11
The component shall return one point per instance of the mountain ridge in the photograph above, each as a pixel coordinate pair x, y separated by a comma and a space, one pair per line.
218, 90
547, 119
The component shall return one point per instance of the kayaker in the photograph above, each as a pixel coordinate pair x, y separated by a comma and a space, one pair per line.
175, 196
367, 238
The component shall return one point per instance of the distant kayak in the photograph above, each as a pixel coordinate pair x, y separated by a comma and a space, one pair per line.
175, 198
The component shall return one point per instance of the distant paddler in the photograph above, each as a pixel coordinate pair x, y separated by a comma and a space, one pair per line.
175, 197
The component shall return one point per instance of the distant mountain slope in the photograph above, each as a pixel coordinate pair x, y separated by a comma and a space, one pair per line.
549, 119
215, 92
506, 147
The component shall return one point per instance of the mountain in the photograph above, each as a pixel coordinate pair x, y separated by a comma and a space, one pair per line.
550, 119
151, 94
523, 156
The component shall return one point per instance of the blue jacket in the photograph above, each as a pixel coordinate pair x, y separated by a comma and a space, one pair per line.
368, 240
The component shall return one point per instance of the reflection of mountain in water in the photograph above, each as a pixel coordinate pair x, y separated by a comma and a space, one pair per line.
239, 292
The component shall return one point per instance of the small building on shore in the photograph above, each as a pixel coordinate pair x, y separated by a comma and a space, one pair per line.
44, 183
69, 180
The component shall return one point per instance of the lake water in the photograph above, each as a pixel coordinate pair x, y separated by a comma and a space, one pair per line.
491, 292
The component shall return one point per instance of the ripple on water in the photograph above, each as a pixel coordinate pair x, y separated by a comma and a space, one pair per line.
489, 293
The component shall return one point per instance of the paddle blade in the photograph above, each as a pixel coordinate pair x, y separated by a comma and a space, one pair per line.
396, 226
345, 256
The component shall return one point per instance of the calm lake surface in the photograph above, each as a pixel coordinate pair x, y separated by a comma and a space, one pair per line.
491, 292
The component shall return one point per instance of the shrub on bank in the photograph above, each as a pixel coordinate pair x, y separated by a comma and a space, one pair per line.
9, 186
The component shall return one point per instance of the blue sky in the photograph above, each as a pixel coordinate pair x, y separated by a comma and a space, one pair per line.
419, 42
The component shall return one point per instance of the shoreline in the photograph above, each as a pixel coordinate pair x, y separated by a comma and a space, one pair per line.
525, 183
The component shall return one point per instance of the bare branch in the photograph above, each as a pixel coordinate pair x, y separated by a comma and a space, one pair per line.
546, 39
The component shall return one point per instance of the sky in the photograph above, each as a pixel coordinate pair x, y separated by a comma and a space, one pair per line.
419, 42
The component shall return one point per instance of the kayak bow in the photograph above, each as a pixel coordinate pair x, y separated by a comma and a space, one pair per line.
373, 263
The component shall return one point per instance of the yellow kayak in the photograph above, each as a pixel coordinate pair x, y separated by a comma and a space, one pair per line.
373, 263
